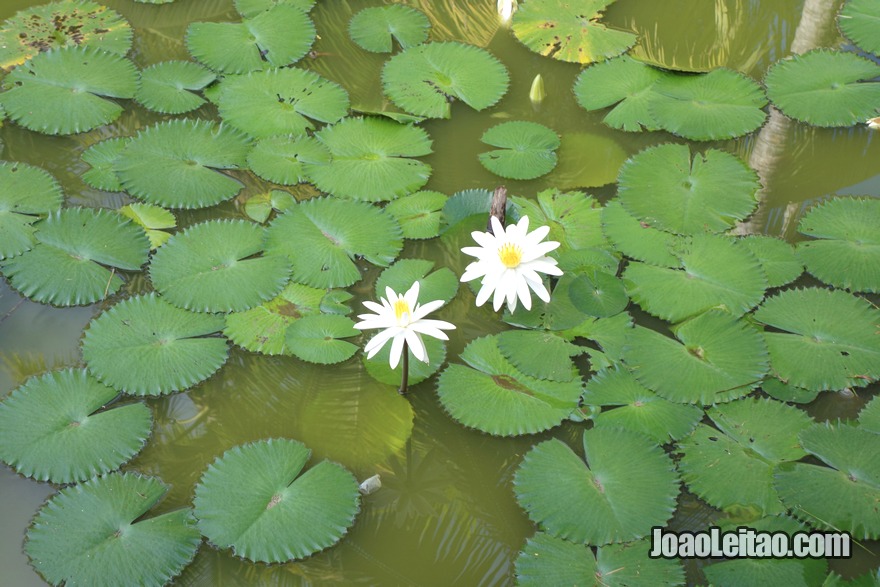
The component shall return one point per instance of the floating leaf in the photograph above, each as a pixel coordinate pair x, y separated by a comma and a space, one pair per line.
169, 87
527, 150
423, 79
606, 156
259, 206
256, 499
102, 157
441, 284
69, 264
858, 20
379, 366
96, 534
823, 87
375, 29
541, 355
371, 159
846, 252
321, 237
251, 8
82, 23
275, 37
569, 31
146, 346
418, 214
718, 358
152, 219
627, 485
869, 416
282, 160
638, 239
280, 102
218, 266
785, 392
829, 338
777, 258
467, 203
641, 410
598, 294
316, 339
573, 217
664, 187
190, 154
66, 90
52, 428
26, 193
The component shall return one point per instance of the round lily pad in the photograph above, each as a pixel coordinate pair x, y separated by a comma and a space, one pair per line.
102, 158
258, 500
169, 87
54, 428
777, 258
75, 259
97, 533
375, 29
282, 160
317, 339
146, 346
526, 150
599, 294
637, 239
858, 20
218, 266
419, 214
26, 194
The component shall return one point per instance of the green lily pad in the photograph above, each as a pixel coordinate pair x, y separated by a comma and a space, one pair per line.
422, 80
251, 8
276, 37
542, 355
607, 154
96, 533
316, 339
375, 29
191, 155
637, 239
626, 486
102, 158
716, 358
68, 90
493, 396
869, 416
26, 194
146, 346
280, 102
786, 392
573, 217
859, 20
152, 219
259, 207
371, 159
527, 150
823, 339
669, 190
169, 87
824, 87
439, 284
75, 259
379, 366
282, 160
257, 499
846, 249
321, 237
53, 428
778, 260
83, 23
569, 31
419, 214
598, 294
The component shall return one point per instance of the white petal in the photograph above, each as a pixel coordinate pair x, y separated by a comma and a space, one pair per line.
522, 226
537, 235
396, 350
484, 239
378, 341
392, 297
412, 296
416, 345
426, 309
433, 328
540, 290
522, 291
473, 271
378, 308
497, 229
537, 251
484, 293
373, 322
543, 265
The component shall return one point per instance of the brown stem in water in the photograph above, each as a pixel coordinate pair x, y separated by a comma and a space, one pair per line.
498, 208
405, 377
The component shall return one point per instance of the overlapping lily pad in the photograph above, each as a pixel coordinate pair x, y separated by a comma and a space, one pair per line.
259, 207
419, 214
53, 428
282, 160
280, 102
258, 500
68, 90
192, 155
777, 258
626, 486
75, 259
846, 252
169, 87
822, 339
573, 217
542, 355
276, 37
27, 193
526, 150
375, 29
322, 236
569, 31
422, 80
319, 338
371, 159
152, 219
146, 346
825, 88
434, 284
102, 158
637, 239
96, 533
859, 20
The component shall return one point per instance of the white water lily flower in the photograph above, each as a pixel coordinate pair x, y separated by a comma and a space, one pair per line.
506, 8
402, 320
509, 263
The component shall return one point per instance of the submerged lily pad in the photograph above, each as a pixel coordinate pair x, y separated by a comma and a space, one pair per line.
375, 29
526, 150
218, 266
146, 346
96, 533
68, 90
422, 80
257, 499
825, 88
53, 428
26, 194
275, 37
846, 252
102, 158
419, 214
282, 160
75, 247
191, 155
626, 486
169, 87
317, 339
569, 31
371, 159
858, 20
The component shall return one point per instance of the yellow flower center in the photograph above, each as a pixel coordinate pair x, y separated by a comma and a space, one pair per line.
510, 255
401, 307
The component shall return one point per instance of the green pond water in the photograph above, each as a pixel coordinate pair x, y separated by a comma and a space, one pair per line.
446, 514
